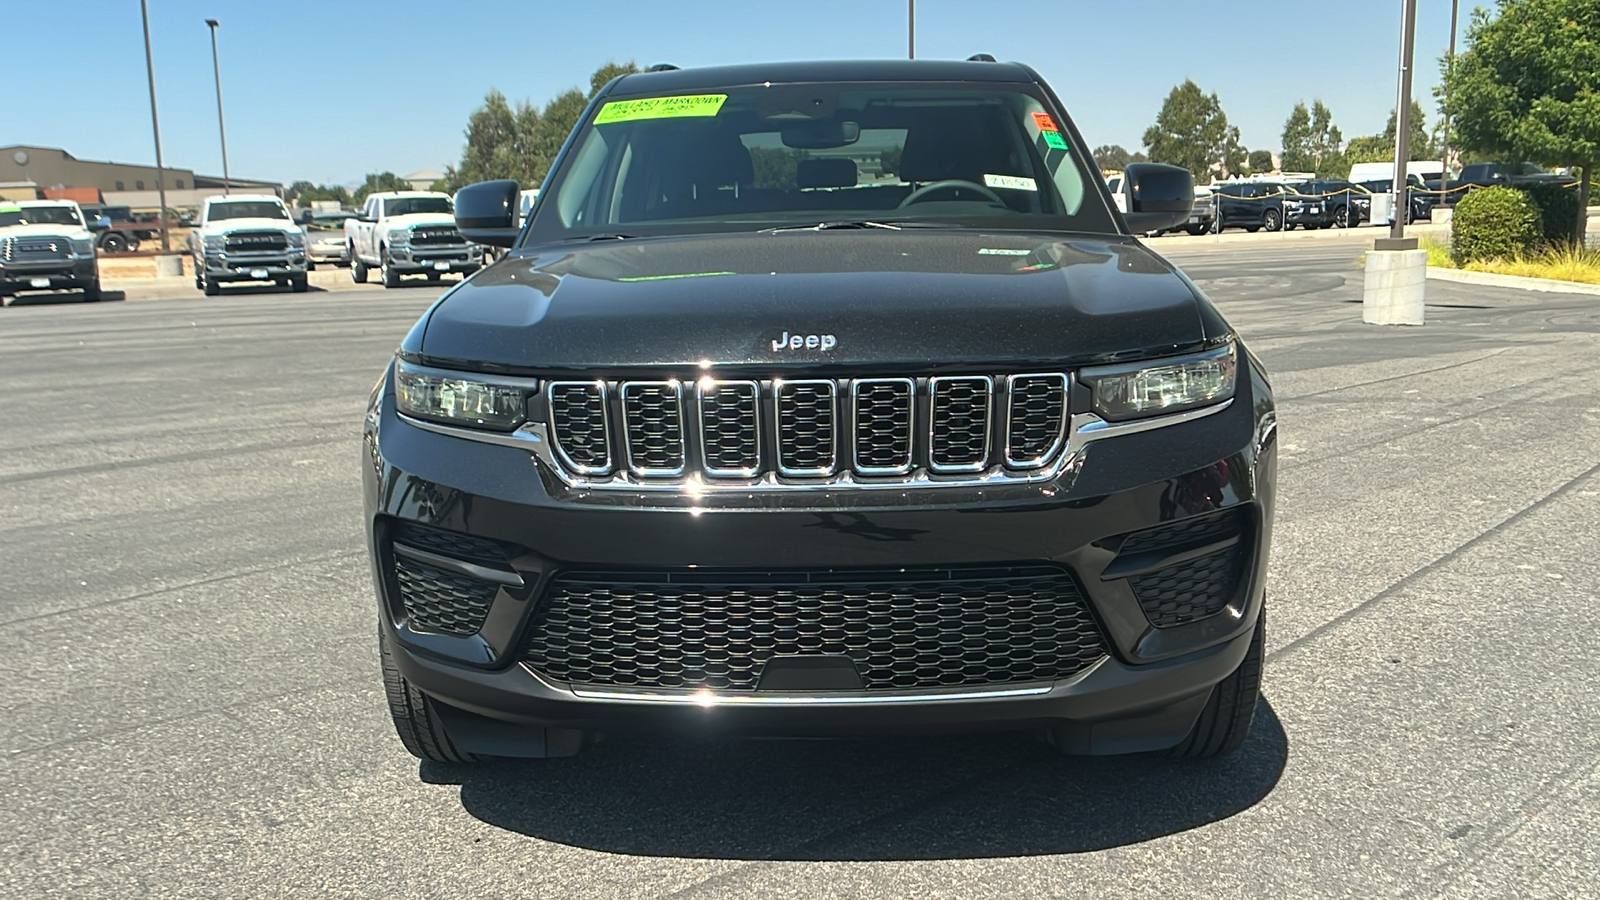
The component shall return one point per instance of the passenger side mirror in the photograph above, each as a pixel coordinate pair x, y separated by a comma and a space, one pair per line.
487, 212
1159, 196
99, 223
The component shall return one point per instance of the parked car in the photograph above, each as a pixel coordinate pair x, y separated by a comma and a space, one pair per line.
702, 455
1478, 175
1350, 204
325, 239
408, 233
1421, 199
1269, 205
47, 245
250, 238
124, 231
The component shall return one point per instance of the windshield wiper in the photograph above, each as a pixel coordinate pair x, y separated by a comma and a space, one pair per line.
848, 224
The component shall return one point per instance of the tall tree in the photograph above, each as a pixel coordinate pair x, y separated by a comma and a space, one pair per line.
1311, 142
1527, 88
380, 181
1261, 160
607, 72
1190, 131
491, 131
1114, 157
1422, 145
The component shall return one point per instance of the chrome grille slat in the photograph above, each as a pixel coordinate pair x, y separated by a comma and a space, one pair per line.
958, 423
579, 425
807, 440
730, 428
882, 413
1036, 418
653, 413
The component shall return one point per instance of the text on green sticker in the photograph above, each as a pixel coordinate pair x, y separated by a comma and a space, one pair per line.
1054, 139
660, 108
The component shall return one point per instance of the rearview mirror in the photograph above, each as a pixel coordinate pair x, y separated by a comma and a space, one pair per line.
821, 135
1159, 196
486, 212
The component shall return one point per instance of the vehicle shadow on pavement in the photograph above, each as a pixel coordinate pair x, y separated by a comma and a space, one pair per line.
891, 799
60, 298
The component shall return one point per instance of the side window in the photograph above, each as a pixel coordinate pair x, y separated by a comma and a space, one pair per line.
119, 186
138, 185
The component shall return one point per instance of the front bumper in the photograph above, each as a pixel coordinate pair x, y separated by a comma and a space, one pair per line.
328, 253
1308, 215
452, 259
1144, 692
255, 266
66, 274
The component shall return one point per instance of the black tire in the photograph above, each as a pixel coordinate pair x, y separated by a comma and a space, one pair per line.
1197, 230
415, 721
91, 291
133, 244
1272, 220
1225, 722
1341, 217
211, 287
311, 264
358, 269
1252, 228
299, 285
113, 242
389, 277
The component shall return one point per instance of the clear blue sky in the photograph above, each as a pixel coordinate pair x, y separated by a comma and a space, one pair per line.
327, 90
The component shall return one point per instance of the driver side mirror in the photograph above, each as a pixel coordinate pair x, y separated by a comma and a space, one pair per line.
1159, 196
487, 212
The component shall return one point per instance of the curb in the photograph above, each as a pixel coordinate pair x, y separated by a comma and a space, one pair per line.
1490, 279
1364, 234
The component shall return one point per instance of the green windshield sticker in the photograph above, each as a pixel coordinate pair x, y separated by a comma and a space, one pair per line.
1054, 139
10, 209
660, 108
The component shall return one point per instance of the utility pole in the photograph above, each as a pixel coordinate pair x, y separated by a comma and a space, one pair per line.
1449, 68
911, 29
216, 69
155, 125
1402, 122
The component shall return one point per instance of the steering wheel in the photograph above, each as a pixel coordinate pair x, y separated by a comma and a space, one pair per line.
922, 193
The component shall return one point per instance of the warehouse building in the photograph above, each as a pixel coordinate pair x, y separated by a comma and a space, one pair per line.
120, 184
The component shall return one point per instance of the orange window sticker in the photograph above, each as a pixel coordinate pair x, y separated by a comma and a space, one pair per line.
1044, 122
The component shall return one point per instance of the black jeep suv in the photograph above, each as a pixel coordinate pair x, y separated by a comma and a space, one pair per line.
820, 399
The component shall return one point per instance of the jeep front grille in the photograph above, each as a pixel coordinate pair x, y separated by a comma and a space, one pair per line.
668, 431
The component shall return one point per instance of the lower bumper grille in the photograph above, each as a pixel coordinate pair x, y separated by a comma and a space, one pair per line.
901, 629
440, 601
1194, 587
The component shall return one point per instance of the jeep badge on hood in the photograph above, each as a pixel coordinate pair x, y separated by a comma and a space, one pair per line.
823, 342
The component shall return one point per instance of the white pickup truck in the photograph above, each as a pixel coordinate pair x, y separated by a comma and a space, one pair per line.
47, 245
247, 237
408, 233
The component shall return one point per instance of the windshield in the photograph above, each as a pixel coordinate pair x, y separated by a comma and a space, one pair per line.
410, 206
38, 215
247, 209
799, 155
327, 223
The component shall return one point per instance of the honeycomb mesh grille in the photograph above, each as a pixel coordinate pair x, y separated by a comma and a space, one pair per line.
1038, 413
806, 442
730, 423
654, 414
1190, 590
883, 425
1193, 531
928, 629
578, 423
960, 432
451, 543
440, 601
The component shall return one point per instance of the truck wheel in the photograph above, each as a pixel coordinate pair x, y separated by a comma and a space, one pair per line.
91, 291
133, 244
414, 719
1197, 229
211, 287
358, 269
1272, 220
311, 264
1225, 722
1341, 217
113, 242
298, 285
390, 277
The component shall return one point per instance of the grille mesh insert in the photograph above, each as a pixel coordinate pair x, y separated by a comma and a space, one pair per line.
654, 416
960, 432
1190, 590
883, 425
578, 419
730, 423
806, 427
440, 601
1038, 412
934, 628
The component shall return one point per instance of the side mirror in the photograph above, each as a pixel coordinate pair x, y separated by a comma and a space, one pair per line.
99, 223
1159, 196
487, 212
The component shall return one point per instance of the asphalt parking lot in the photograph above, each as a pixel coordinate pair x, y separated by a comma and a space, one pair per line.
192, 702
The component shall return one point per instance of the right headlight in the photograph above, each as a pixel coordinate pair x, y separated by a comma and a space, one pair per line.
459, 398
1159, 386
215, 242
399, 236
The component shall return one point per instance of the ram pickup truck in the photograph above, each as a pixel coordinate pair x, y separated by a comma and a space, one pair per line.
47, 245
243, 237
408, 233
1506, 175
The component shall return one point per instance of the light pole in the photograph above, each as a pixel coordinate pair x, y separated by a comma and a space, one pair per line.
222, 130
911, 29
155, 124
1402, 123
1449, 69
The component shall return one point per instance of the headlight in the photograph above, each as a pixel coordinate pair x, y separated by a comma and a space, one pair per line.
1162, 386
459, 399
400, 236
83, 246
296, 238
215, 242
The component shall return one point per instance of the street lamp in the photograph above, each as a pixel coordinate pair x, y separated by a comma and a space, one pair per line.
155, 124
216, 69
1402, 124
911, 29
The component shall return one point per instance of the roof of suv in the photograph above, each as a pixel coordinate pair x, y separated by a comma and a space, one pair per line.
831, 71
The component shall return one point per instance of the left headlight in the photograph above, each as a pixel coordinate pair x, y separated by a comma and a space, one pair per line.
458, 398
399, 236
83, 246
1164, 385
296, 238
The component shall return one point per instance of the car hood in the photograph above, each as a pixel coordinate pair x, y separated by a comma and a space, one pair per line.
419, 219
46, 229
922, 298
250, 225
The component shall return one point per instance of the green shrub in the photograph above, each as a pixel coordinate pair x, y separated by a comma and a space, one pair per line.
1493, 223
1558, 212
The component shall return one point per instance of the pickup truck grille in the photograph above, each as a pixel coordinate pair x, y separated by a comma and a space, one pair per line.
435, 234
668, 430
256, 242
35, 249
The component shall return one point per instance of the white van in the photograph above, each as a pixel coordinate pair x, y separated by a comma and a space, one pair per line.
1377, 171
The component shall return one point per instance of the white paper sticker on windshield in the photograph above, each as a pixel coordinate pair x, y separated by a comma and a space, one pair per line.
1010, 182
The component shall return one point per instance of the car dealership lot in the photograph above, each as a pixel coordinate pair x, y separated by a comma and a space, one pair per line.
192, 694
